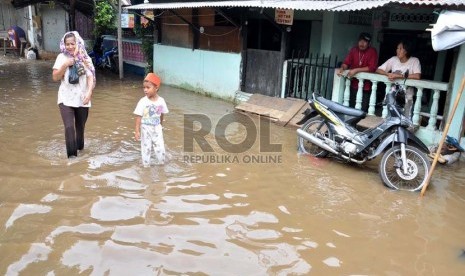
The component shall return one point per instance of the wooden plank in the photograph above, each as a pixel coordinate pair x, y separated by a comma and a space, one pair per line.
370, 121
271, 102
4, 41
261, 110
298, 116
255, 115
282, 111
291, 112
266, 105
23, 43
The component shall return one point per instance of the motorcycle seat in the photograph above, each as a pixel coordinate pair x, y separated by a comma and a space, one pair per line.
339, 108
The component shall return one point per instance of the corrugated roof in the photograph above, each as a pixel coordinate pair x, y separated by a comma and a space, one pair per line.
316, 5
295, 5
84, 6
435, 2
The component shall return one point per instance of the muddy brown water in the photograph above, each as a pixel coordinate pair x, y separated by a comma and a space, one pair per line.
104, 214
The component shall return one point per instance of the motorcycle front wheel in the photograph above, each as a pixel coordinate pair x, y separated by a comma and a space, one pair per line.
317, 127
392, 173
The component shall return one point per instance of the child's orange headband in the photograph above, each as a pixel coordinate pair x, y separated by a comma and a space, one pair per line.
151, 77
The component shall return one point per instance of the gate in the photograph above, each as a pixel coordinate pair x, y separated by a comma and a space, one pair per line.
263, 72
308, 74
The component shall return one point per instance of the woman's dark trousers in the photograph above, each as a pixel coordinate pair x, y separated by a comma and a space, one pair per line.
74, 119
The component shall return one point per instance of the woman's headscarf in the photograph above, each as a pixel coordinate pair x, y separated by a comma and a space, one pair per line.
80, 53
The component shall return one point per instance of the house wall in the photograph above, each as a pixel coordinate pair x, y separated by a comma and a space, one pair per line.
175, 31
54, 26
10, 16
410, 19
307, 15
315, 36
338, 35
207, 72
32, 23
338, 38
327, 33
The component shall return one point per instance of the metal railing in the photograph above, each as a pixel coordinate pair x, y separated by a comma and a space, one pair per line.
429, 110
304, 75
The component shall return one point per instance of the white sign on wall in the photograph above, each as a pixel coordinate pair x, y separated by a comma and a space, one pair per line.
127, 20
285, 17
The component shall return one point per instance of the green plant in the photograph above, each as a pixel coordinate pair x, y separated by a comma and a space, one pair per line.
147, 49
104, 18
145, 34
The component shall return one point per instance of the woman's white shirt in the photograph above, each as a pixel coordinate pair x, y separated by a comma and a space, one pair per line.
71, 94
396, 66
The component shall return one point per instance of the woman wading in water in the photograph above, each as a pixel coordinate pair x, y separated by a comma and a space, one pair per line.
74, 99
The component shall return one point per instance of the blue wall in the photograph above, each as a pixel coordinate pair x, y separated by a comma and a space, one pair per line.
212, 73
134, 69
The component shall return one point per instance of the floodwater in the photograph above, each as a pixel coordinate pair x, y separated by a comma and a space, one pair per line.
220, 213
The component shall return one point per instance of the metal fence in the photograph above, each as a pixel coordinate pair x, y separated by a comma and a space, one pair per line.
306, 74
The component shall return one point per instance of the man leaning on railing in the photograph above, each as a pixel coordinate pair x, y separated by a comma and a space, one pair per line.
361, 58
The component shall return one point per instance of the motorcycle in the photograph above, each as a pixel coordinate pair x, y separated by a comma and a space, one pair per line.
105, 59
330, 128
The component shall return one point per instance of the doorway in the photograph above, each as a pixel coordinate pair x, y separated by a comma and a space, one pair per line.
423, 49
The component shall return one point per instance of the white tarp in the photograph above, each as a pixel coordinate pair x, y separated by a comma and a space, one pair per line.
449, 30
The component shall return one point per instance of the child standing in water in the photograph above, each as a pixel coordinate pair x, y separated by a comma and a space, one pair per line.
149, 119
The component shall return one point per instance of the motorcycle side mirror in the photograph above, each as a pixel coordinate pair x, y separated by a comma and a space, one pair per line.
406, 74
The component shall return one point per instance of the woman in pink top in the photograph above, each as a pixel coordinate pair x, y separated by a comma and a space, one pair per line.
396, 67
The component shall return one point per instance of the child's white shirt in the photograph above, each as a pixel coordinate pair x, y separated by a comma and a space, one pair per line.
151, 111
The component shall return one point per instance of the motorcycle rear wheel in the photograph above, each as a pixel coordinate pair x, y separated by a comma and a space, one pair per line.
418, 166
316, 126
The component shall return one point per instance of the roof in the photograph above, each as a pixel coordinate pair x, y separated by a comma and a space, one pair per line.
435, 2
309, 5
84, 6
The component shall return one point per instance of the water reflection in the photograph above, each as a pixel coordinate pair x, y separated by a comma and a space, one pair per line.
24, 210
104, 214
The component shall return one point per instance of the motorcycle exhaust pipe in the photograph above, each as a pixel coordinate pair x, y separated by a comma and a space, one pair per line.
316, 141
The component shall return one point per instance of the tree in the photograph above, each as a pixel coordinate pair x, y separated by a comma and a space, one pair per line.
145, 34
104, 17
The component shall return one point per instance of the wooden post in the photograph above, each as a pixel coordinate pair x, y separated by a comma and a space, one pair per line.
72, 15
244, 30
282, 59
120, 43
